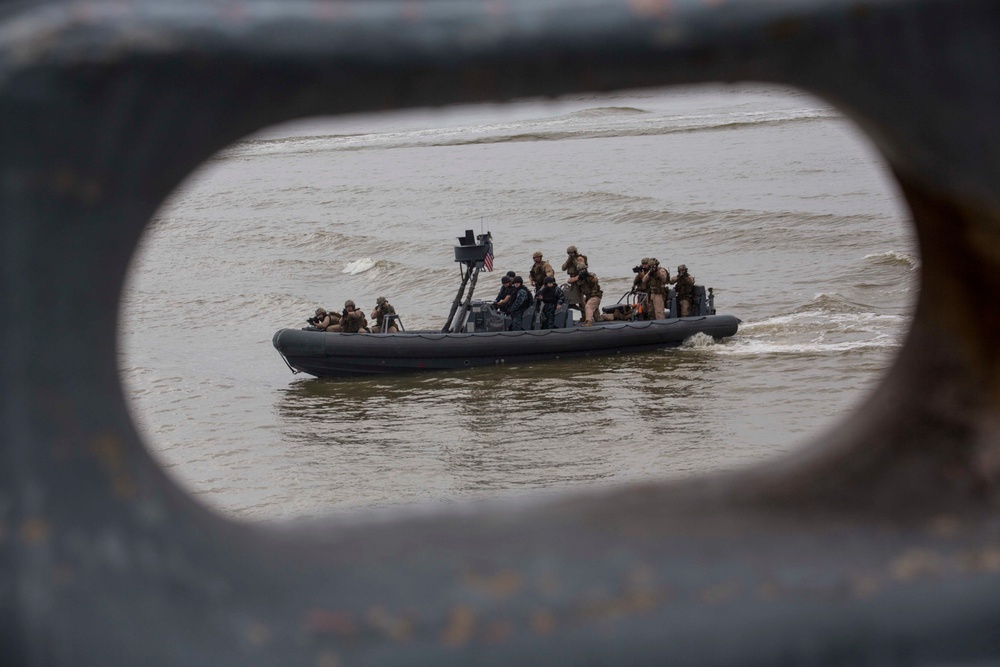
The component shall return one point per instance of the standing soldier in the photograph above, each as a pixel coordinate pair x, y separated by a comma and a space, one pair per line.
574, 264
549, 296
383, 308
592, 294
656, 282
539, 270
642, 294
685, 290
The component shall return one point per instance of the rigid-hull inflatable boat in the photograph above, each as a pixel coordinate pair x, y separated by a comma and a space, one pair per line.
477, 334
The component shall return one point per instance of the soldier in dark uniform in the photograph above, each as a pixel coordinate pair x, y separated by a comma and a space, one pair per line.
549, 297
657, 282
574, 264
503, 296
383, 308
352, 319
539, 270
521, 300
685, 290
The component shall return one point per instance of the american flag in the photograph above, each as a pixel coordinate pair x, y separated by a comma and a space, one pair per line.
488, 260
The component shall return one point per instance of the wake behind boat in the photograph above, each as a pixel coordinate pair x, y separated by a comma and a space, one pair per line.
477, 334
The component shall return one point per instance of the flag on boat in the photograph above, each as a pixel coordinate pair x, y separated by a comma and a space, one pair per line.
488, 260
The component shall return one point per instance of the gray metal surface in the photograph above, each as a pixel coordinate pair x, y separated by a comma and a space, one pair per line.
879, 546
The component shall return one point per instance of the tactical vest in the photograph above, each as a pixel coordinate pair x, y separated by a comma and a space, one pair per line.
550, 295
381, 312
685, 286
538, 273
591, 288
573, 266
656, 284
354, 325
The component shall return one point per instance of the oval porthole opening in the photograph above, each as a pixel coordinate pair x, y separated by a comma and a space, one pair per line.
769, 195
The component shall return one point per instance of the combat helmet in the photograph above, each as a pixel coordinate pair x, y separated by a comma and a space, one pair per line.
571, 250
349, 304
645, 260
380, 300
682, 268
654, 261
537, 253
320, 312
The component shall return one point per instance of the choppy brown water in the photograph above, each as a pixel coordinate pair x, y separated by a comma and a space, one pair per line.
769, 196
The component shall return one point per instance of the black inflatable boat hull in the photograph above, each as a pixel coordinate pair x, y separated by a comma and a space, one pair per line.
342, 355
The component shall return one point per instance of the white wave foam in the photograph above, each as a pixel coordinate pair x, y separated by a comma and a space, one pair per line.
893, 257
751, 347
698, 341
359, 266
807, 317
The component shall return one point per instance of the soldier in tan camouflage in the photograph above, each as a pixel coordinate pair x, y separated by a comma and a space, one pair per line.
383, 308
539, 270
574, 264
324, 321
685, 290
352, 319
592, 294
656, 281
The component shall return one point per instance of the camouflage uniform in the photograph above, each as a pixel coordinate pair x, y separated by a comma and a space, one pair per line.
574, 264
352, 319
685, 290
520, 302
656, 282
383, 308
323, 321
539, 270
334, 324
592, 294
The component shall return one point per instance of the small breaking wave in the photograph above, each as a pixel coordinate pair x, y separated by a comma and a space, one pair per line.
359, 266
604, 112
593, 123
893, 258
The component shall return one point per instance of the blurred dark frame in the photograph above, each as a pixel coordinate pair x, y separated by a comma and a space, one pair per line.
879, 545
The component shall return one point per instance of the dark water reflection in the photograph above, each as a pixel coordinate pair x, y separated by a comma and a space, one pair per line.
545, 425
